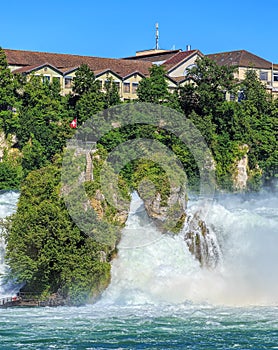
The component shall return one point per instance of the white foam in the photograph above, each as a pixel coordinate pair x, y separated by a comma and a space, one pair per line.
155, 268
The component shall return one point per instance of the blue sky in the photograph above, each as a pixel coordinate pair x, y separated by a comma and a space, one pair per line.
119, 28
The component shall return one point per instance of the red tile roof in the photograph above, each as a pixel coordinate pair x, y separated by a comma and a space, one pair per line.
62, 61
179, 58
240, 58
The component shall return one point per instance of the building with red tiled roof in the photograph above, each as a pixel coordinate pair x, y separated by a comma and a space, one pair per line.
64, 66
240, 58
129, 71
244, 60
178, 62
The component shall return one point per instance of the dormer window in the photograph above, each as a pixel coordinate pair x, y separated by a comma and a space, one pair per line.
134, 87
46, 79
127, 87
187, 69
263, 76
117, 84
68, 82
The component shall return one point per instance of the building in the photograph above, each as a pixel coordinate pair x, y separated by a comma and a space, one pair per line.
178, 62
266, 71
63, 67
129, 71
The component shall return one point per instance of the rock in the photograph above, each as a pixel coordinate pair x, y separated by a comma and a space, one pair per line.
168, 216
201, 241
241, 176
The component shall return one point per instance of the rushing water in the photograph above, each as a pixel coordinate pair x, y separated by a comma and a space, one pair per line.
159, 297
8, 202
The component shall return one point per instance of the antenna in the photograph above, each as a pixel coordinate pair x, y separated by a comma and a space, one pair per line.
156, 36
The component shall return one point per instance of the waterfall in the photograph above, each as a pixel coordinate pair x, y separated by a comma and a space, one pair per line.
202, 241
160, 268
8, 201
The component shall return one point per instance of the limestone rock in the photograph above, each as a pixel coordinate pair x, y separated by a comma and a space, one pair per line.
169, 215
241, 175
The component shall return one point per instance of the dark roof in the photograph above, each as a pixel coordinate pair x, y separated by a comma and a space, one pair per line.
178, 58
173, 80
178, 80
103, 71
61, 61
240, 58
154, 57
29, 69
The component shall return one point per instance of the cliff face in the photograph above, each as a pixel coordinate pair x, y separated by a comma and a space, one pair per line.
168, 215
168, 212
201, 241
172, 216
241, 167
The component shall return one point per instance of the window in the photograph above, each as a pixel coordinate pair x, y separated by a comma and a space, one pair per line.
263, 76
187, 70
127, 88
68, 82
275, 76
232, 97
134, 87
117, 83
99, 83
240, 96
46, 79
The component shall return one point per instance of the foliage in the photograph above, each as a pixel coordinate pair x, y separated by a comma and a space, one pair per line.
8, 101
46, 250
112, 96
84, 80
91, 98
10, 175
154, 89
207, 85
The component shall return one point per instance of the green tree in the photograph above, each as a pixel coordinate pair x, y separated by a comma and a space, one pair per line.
254, 91
84, 80
207, 86
154, 89
43, 118
7, 95
46, 251
112, 96
10, 175
90, 98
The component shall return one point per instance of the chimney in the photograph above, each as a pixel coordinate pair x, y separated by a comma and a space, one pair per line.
188, 47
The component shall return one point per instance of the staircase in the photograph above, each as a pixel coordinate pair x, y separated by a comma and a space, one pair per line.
89, 166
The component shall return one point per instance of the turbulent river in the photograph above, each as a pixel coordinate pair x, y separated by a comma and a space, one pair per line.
160, 298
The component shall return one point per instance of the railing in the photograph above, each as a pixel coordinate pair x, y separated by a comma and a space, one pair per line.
31, 299
26, 296
21, 299
9, 300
